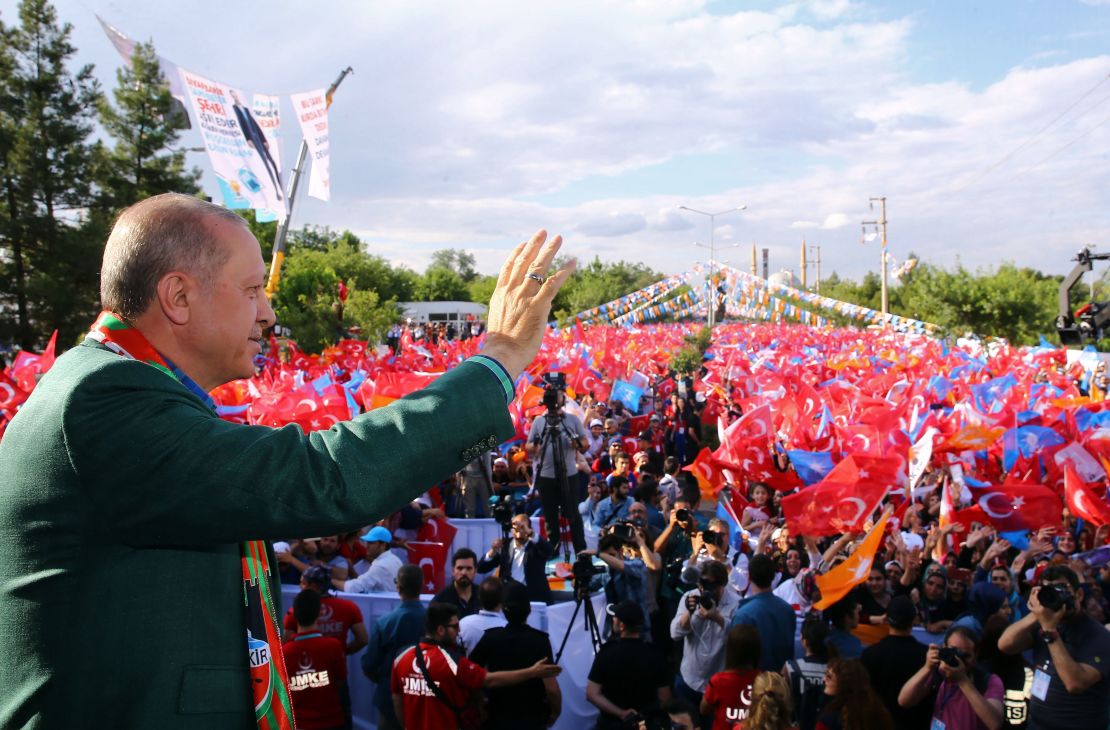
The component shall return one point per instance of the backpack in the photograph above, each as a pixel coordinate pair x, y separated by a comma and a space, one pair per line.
807, 686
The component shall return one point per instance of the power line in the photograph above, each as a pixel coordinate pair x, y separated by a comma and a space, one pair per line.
1019, 173
1006, 158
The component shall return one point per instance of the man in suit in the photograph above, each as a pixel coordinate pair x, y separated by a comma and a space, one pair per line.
133, 521
526, 559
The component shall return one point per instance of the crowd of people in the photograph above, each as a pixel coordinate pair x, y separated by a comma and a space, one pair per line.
710, 624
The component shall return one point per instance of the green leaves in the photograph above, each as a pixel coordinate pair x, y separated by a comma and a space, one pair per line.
145, 127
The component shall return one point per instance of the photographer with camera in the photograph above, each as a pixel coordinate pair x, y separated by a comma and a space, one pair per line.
526, 557
701, 623
675, 546
625, 552
967, 697
1071, 655
557, 483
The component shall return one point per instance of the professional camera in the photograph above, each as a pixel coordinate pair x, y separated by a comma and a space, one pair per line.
704, 600
950, 655
554, 384
1054, 596
624, 530
682, 515
709, 537
501, 509
584, 569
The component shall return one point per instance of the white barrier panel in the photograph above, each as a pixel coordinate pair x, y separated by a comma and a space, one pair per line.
576, 661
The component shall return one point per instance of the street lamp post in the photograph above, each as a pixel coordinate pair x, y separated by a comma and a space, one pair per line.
712, 251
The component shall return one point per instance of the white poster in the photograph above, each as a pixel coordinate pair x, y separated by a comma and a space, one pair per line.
311, 109
235, 142
267, 112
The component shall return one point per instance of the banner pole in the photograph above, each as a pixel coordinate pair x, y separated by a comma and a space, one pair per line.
283, 227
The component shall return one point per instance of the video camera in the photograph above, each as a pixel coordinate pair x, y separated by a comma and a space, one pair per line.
554, 384
501, 508
1055, 596
583, 570
625, 530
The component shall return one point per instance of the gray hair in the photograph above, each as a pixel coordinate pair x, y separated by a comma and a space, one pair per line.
153, 237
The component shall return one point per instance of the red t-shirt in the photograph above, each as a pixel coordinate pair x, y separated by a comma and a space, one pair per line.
731, 693
456, 678
317, 666
337, 616
355, 552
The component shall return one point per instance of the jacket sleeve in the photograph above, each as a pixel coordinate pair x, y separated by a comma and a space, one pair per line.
158, 468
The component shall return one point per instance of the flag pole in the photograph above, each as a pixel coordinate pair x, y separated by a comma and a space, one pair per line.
283, 227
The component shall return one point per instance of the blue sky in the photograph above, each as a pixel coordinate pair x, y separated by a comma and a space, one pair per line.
473, 125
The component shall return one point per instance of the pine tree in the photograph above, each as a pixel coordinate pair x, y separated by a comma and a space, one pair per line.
144, 128
48, 271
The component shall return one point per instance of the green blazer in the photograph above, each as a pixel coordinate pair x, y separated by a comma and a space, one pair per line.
123, 500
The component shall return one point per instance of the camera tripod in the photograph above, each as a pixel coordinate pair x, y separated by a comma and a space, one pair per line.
582, 597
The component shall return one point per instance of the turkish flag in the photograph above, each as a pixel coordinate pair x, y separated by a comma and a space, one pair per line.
831, 507
432, 559
707, 472
1013, 507
437, 530
1083, 499
11, 395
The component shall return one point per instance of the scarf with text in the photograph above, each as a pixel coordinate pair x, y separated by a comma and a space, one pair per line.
273, 709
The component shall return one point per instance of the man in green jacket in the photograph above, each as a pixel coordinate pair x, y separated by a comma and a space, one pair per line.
135, 583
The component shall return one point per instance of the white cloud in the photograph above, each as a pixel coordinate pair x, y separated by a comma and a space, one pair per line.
460, 118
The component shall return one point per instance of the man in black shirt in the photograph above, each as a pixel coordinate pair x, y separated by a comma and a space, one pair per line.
461, 593
1071, 656
893, 660
629, 676
535, 704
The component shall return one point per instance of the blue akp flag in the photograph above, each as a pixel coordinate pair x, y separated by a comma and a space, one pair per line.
1027, 441
812, 466
626, 393
986, 394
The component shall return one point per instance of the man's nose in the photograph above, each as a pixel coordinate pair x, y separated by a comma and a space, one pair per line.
266, 314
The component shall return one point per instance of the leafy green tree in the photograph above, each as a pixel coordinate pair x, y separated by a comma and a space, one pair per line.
599, 282
441, 285
145, 128
47, 268
481, 289
457, 260
307, 300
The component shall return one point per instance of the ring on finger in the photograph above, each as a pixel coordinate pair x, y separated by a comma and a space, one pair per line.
535, 277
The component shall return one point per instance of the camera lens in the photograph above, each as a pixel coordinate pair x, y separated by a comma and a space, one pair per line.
682, 515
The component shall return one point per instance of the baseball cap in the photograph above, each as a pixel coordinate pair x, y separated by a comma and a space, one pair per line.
645, 436
628, 612
900, 612
378, 534
597, 422
501, 460
317, 574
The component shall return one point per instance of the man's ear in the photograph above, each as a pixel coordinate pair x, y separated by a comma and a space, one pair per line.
173, 293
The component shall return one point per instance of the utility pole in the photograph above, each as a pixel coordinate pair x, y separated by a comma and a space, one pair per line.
881, 224
298, 169
803, 267
812, 257
712, 298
